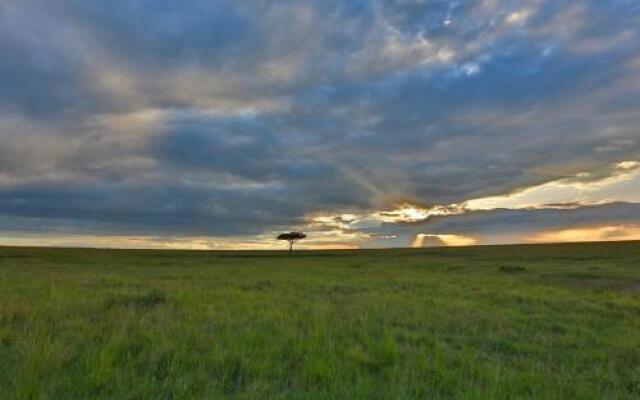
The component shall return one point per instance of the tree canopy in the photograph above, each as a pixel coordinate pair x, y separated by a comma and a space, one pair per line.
291, 237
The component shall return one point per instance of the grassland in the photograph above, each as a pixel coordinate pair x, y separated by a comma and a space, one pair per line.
508, 322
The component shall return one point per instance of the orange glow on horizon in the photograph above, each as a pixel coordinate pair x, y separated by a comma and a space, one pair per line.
590, 234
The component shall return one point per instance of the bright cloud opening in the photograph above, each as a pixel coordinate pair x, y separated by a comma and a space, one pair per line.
430, 240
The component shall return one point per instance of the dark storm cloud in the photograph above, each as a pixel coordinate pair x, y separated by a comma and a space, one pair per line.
240, 117
146, 210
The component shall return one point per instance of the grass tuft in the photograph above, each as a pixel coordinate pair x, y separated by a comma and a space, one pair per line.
148, 300
512, 269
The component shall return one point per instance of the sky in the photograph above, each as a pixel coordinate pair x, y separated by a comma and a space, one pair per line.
213, 124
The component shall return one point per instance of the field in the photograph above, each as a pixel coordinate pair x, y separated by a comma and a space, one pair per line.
492, 322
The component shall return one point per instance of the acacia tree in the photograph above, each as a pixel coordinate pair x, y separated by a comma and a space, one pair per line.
291, 237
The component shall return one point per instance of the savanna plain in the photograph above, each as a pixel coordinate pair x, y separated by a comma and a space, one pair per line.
486, 322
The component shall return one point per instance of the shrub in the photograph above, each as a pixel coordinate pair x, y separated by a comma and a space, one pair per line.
512, 268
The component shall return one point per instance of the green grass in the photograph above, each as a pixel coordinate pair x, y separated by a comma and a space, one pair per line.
507, 322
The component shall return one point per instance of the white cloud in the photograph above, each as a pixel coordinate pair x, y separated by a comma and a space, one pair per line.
518, 17
623, 185
626, 165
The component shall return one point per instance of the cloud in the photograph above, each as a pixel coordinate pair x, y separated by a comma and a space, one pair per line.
623, 184
237, 119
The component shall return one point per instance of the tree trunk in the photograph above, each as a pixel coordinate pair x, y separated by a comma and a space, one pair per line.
290, 248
